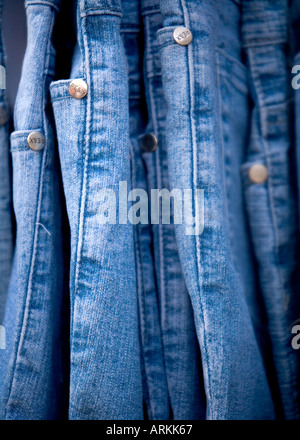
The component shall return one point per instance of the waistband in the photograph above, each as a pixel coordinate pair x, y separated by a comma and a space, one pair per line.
131, 14
54, 3
92, 7
264, 22
171, 10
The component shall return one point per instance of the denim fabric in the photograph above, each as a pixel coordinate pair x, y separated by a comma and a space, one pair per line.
234, 131
294, 40
155, 387
93, 134
180, 345
32, 378
271, 205
295, 61
234, 374
6, 227
171, 362
165, 322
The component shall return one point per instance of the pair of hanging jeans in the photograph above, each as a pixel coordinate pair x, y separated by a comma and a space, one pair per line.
235, 378
31, 365
6, 220
271, 204
93, 133
172, 373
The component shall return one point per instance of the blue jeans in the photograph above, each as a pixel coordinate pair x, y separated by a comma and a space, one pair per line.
172, 373
166, 322
271, 204
32, 385
6, 225
234, 373
93, 132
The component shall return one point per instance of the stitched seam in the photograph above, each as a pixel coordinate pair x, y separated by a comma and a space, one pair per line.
158, 183
86, 157
158, 175
72, 282
150, 10
16, 149
230, 58
44, 2
194, 160
222, 137
62, 98
141, 285
26, 312
263, 42
96, 11
158, 171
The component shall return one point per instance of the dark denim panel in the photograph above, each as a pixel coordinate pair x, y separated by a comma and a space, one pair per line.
6, 218
180, 345
155, 387
271, 204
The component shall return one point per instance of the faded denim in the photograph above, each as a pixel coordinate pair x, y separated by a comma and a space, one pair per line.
234, 374
93, 133
32, 379
173, 384
163, 325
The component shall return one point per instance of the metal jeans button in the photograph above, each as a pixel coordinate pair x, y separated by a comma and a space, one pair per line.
78, 88
182, 36
258, 173
148, 142
36, 140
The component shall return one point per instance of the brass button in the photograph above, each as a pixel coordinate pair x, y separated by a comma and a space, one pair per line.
258, 173
78, 88
36, 140
148, 142
182, 36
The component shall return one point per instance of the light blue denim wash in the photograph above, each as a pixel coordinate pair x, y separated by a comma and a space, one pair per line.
155, 388
6, 220
6, 227
172, 374
93, 140
146, 300
199, 81
31, 366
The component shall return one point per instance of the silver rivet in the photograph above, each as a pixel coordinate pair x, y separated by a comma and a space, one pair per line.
36, 140
78, 88
148, 142
258, 173
182, 36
